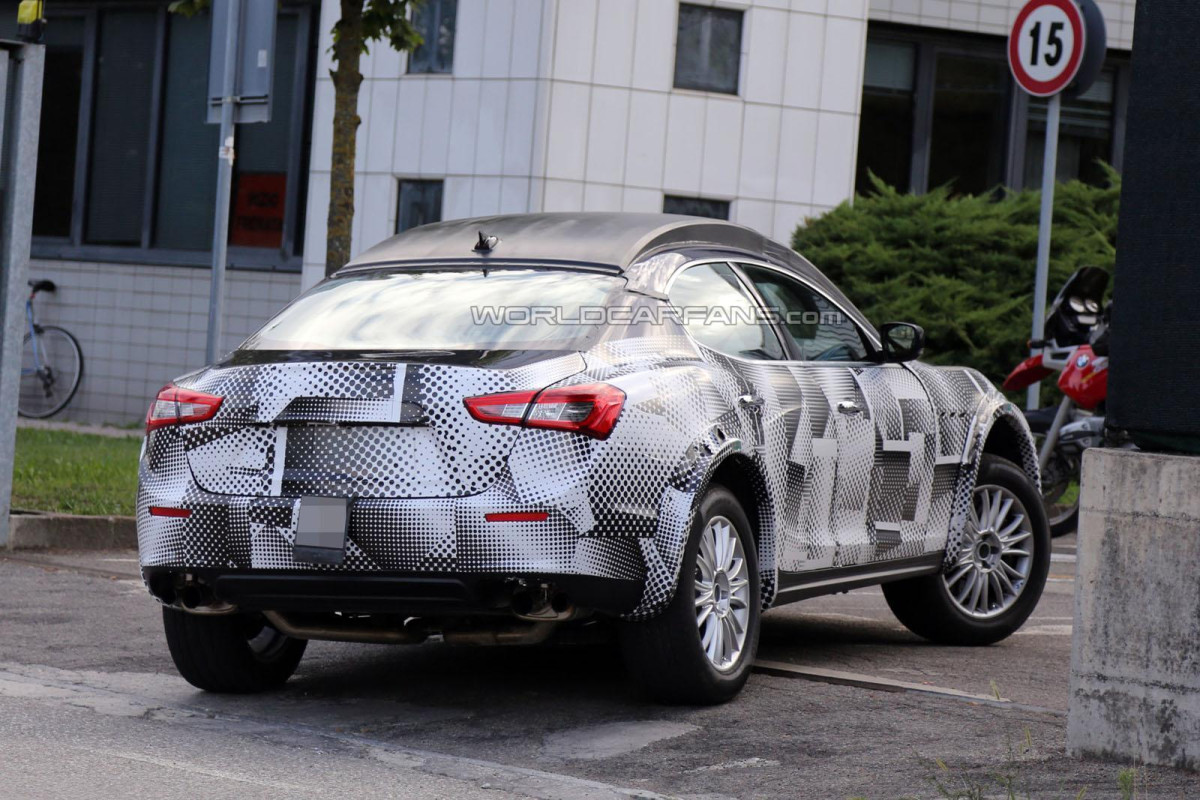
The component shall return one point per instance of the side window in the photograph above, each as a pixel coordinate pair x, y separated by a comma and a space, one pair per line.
819, 329
719, 313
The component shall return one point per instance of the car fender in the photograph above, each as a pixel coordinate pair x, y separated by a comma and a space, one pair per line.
705, 459
995, 417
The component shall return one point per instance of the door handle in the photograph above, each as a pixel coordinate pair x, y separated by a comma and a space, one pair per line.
750, 401
849, 408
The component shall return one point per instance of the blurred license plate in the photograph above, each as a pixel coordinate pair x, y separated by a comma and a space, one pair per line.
321, 530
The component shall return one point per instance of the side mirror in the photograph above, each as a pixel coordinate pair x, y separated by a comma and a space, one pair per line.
902, 341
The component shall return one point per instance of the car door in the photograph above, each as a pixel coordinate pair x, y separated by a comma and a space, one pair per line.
721, 313
866, 434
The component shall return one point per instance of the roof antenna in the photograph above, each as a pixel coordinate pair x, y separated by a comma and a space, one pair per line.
486, 243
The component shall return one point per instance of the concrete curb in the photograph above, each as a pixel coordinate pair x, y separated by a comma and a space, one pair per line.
70, 532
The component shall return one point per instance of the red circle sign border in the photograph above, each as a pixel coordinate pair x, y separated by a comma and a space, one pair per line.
1047, 88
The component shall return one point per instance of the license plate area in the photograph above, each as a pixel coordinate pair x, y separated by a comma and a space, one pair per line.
321, 530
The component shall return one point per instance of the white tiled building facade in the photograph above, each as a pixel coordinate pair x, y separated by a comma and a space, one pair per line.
548, 105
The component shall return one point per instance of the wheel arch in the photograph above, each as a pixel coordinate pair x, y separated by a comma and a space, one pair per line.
1004, 433
743, 476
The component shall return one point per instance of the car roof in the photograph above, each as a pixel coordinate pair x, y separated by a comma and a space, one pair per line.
614, 242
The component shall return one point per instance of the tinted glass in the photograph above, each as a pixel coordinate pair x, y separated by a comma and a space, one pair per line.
1084, 138
458, 310
54, 190
718, 312
885, 130
420, 204
970, 117
708, 49
434, 20
187, 180
261, 169
696, 207
121, 127
819, 330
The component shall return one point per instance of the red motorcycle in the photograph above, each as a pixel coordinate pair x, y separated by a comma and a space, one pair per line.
1076, 347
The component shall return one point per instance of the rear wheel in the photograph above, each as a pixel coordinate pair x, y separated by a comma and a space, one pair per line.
230, 653
699, 650
50, 376
999, 573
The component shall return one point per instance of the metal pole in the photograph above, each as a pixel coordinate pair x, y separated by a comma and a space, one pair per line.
1049, 174
19, 143
216, 297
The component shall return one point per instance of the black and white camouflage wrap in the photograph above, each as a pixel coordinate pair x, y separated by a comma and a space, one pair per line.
832, 489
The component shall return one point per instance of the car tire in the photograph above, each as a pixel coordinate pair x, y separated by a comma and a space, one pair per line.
929, 606
230, 653
667, 655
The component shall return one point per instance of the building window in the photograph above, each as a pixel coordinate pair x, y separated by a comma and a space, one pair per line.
885, 130
941, 109
708, 49
1085, 135
54, 190
970, 123
696, 207
434, 20
420, 203
127, 164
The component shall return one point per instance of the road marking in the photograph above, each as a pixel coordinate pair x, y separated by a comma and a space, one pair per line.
784, 669
154, 697
192, 769
1064, 558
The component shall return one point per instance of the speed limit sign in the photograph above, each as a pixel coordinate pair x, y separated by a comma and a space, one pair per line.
1057, 46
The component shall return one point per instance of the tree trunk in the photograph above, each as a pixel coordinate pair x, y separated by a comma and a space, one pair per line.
347, 49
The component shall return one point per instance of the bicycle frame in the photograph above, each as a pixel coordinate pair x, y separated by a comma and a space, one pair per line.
33, 337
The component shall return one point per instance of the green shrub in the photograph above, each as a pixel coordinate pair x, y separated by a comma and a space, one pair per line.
960, 266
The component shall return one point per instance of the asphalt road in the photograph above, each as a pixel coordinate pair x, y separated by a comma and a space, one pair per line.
90, 705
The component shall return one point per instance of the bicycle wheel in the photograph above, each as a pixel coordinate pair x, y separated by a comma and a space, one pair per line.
49, 381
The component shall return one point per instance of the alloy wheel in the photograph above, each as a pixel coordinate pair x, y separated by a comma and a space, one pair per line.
722, 593
995, 558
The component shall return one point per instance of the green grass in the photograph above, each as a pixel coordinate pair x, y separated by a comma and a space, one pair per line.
75, 473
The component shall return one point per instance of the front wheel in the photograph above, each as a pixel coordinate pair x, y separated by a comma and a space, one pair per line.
230, 653
700, 648
998, 574
1060, 491
51, 368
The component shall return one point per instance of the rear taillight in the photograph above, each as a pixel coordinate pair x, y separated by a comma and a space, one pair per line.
591, 409
174, 406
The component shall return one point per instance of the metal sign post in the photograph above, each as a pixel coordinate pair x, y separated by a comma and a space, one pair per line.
225, 155
20, 115
239, 87
1055, 46
1045, 222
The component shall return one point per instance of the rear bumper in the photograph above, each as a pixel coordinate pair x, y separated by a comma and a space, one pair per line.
406, 594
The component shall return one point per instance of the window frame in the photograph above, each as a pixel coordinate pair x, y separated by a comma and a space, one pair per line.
286, 258
930, 44
737, 89
871, 347
408, 57
400, 181
751, 294
687, 198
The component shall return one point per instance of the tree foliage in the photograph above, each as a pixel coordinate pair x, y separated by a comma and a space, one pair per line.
961, 266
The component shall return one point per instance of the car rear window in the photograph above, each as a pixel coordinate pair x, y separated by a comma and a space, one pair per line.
500, 309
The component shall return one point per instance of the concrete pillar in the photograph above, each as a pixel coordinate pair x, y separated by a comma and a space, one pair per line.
1135, 655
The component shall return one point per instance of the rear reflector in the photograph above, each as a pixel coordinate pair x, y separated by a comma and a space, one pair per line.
517, 516
174, 406
166, 511
591, 409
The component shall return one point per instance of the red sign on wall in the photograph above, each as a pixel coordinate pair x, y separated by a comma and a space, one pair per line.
258, 210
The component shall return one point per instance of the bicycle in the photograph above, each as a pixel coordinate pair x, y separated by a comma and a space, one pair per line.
51, 363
